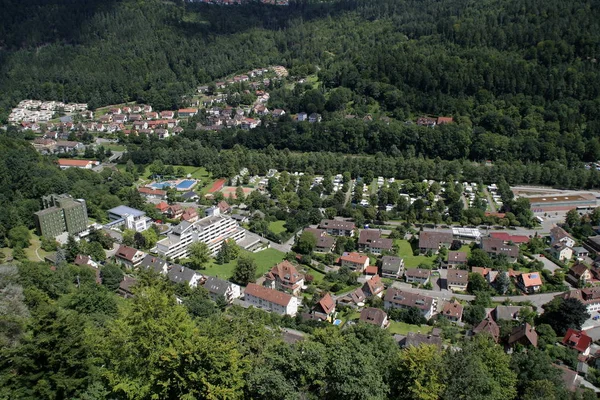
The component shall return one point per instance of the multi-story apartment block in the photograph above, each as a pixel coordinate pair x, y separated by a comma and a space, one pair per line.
271, 300
61, 214
210, 230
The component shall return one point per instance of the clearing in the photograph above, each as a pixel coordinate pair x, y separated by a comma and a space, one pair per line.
265, 260
406, 252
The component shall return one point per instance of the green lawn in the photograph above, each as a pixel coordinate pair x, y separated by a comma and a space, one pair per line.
405, 251
265, 260
29, 251
114, 147
402, 328
277, 227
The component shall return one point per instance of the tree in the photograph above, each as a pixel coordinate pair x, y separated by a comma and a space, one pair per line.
19, 236
306, 243
112, 275
71, 249
479, 258
199, 254
95, 251
245, 270
48, 244
229, 251
502, 283
239, 194
534, 366
562, 314
418, 374
94, 299
150, 238
128, 237
474, 314
139, 240
477, 283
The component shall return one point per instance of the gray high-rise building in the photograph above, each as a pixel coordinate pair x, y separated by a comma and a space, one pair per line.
61, 214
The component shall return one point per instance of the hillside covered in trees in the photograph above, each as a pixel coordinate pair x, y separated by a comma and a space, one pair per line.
521, 78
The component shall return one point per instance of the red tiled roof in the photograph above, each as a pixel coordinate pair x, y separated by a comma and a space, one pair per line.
354, 258
270, 295
327, 303
516, 239
154, 192
162, 206
578, 340
371, 270
126, 252
532, 279
65, 162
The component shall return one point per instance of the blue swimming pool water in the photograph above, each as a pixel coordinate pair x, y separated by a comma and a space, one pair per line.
186, 184
337, 322
160, 185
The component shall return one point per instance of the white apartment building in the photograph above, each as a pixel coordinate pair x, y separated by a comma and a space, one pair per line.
212, 230
271, 300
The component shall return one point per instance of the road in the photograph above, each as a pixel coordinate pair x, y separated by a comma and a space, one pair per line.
490, 200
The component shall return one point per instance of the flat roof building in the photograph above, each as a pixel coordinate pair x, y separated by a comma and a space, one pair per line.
61, 214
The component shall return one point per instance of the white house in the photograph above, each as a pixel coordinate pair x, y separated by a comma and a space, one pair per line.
271, 300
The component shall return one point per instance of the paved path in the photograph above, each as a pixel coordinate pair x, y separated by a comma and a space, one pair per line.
490, 200
38, 254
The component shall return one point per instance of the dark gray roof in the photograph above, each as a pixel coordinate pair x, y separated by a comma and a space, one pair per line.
391, 263
417, 339
216, 286
154, 263
180, 274
189, 195
183, 225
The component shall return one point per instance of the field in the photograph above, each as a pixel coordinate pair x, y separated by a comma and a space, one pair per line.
265, 260
402, 328
406, 252
230, 191
277, 227
30, 251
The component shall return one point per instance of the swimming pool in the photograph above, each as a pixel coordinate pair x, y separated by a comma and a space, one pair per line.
160, 185
186, 184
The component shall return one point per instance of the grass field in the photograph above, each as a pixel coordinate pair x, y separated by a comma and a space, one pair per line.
402, 328
277, 227
405, 251
29, 251
265, 260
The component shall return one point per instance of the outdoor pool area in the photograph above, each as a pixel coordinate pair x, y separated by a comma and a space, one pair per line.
179, 185
337, 322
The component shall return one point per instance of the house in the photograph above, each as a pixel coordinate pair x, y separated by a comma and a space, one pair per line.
508, 238
190, 215
417, 275
301, 116
126, 287
580, 252
324, 310
371, 271
153, 263
277, 113
356, 298
396, 298
162, 206
325, 244
373, 287
579, 275
507, 313
314, 117
82, 260
524, 334
561, 252
430, 241
415, 339
150, 193
355, 261
174, 211
452, 310
180, 274
224, 208
128, 217
190, 196
284, 277
426, 121
456, 259
271, 300
392, 267
457, 280
337, 228
590, 297
495, 247
221, 288
187, 112
370, 241
530, 282
64, 163
488, 326
374, 316
444, 120
559, 235
129, 256
578, 340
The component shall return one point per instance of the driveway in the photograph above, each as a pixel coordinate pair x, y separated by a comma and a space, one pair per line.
549, 265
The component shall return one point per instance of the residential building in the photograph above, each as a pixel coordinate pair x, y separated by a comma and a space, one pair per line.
580, 252
392, 267
210, 230
129, 256
187, 112
153, 263
524, 334
284, 277
374, 316
60, 214
579, 275
271, 300
457, 259
65, 163
370, 241
530, 282
221, 288
578, 340
590, 297
355, 261
431, 241
356, 298
180, 274
457, 280
325, 308
508, 238
371, 271
373, 287
150, 193
417, 275
175, 211
452, 310
301, 116
190, 215
126, 287
128, 217
396, 298
561, 252
559, 235
488, 326
224, 208
414, 339
338, 228
325, 244
508, 313
495, 247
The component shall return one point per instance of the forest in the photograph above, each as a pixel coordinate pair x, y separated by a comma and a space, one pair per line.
519, 78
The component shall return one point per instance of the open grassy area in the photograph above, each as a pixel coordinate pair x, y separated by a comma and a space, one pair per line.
114, 147
402, 328
29, 251
277, 227
406, 252
265, 260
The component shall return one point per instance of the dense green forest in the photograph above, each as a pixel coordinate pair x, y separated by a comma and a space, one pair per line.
521, 77
62, 336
